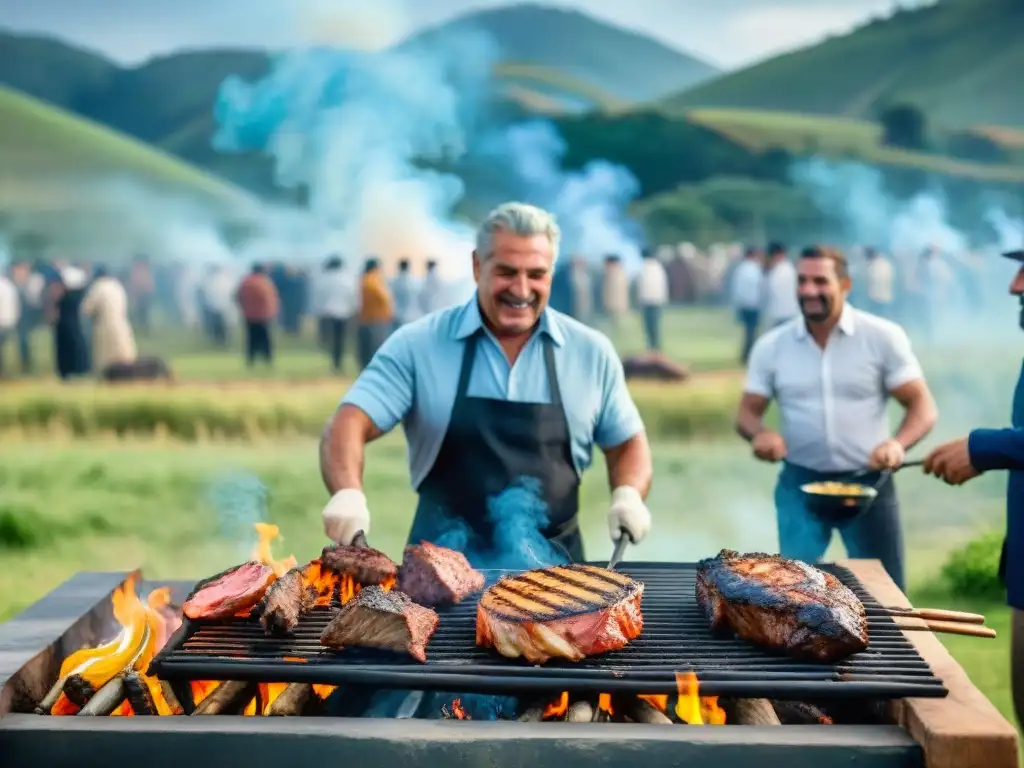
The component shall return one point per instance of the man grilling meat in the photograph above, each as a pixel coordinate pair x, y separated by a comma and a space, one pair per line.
832, 372
984, 450
489, 391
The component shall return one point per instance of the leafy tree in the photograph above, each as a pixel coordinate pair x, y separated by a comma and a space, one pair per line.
904, 126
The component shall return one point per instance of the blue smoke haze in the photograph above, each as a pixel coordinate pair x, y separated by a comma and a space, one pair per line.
353, 127
239, 501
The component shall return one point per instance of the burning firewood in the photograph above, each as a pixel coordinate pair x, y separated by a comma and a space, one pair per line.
799, 713
139, 695
639, 710
580, 712
106, 699
534, 713
749, 712
292, 701
78, 690
229, 698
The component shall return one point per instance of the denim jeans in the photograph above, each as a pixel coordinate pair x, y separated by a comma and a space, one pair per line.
875, 534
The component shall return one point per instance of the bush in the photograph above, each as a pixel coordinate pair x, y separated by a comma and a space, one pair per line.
250, 411
972, 571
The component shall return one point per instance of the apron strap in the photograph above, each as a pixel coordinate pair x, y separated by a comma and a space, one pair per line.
468, 357
549, 364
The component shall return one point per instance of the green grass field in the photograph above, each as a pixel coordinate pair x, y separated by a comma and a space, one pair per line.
184, 508
54, 149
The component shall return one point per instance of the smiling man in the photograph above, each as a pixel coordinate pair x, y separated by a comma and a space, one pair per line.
832, 372
498, 388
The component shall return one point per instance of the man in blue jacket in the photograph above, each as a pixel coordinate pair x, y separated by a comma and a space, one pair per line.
984, 450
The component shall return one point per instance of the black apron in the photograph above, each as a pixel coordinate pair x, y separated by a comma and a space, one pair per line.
488, 446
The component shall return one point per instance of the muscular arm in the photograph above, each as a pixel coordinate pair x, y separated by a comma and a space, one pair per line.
750, 416
921, 413
376, 403
343, 448
631, 464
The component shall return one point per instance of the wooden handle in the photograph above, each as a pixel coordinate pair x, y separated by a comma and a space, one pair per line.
937, 614
949, 628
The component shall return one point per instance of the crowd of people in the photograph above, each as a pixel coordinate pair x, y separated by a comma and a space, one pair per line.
365, 302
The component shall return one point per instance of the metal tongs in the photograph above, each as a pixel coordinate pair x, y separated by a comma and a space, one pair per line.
620, 548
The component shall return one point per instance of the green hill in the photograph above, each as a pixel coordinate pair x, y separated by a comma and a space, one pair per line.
46, 153
958, 60
626, 65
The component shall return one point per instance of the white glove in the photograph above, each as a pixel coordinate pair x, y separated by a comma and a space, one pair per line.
345, 515
628, 513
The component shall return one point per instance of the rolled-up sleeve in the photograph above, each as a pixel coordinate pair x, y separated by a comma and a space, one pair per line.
619, 419
384, 390
899, 362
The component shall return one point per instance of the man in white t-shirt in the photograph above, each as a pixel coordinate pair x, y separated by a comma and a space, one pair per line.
831, 373
780, 302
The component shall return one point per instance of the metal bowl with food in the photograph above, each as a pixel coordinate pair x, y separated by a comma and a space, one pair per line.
836, 501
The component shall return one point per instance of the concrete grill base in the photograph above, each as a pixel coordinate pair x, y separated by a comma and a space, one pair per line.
172, 742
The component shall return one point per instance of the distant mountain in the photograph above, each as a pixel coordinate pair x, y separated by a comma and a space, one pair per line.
959, 60
626, 65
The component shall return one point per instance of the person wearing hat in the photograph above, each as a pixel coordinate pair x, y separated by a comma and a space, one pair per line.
986, 450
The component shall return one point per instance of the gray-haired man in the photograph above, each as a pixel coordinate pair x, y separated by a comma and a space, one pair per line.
496, 389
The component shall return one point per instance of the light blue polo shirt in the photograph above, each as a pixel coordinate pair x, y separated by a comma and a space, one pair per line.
414, 377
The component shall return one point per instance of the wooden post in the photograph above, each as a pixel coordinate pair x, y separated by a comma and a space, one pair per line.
962, 730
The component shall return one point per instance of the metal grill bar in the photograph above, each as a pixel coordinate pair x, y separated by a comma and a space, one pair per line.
675, 638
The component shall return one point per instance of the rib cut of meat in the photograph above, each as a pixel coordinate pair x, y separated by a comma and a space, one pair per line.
364, 564
387, 620
433, 575
285, 601
782, 604
234, 591
568, 612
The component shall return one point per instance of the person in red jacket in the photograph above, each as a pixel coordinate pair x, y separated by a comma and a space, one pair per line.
258, 299
985, 450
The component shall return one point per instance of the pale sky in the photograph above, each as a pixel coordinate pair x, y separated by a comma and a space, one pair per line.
728, 33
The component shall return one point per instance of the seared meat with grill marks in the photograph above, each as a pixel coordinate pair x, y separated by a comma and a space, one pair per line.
568, 611
386, 620
287, 599
433, 575
233, 592
782, 604
365, 565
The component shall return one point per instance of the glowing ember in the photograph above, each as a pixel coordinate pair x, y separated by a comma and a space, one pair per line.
691, 708
456, 712
558, 707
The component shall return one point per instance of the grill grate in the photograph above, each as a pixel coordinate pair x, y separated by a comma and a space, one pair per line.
675, 638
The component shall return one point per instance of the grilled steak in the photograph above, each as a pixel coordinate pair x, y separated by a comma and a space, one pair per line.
379, 619
287, 599
433, 575
782, 604
232, 592
568, 611
365, 565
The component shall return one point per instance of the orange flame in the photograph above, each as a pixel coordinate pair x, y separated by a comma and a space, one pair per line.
262, 554
145, 628
691, 708
604, 703
269, 693
323, 691
558, 707
201, 689
657, 700
456, 712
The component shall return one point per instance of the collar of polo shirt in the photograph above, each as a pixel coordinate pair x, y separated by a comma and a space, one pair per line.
471, 322
846, 323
